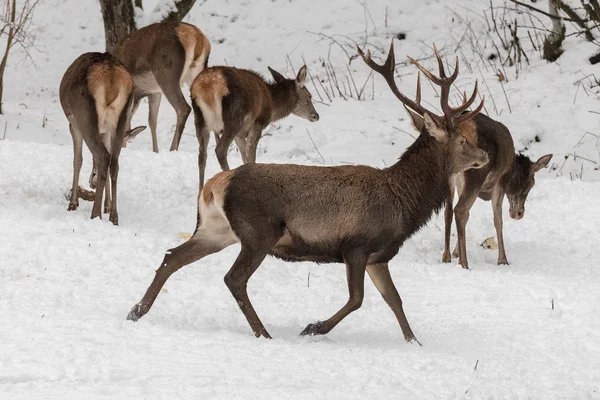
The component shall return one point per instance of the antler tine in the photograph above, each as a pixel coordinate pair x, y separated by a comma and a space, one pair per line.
467, 103
418, 97
387, 71
471, 114
440, 62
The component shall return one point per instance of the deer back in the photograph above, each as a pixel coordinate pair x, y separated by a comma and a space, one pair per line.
151, 47
241, 93
100, 81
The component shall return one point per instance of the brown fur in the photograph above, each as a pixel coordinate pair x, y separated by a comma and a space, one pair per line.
468, 130
356, 215
161, 57
237, 104
505, 174
95, 94
216, 187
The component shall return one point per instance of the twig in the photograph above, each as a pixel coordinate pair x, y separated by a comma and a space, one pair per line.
316, 148
548, 14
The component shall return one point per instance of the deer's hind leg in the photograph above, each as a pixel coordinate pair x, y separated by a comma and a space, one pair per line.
77, 163
380, 275
168, 77
213, 235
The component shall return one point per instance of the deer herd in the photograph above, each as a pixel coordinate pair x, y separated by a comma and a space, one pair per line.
357, 215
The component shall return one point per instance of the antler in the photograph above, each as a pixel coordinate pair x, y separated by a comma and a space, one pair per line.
452, 115
387, 71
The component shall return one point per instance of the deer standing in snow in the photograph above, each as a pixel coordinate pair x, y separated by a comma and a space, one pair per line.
357, 215
237, 104
95, 94
505, 174
161, 57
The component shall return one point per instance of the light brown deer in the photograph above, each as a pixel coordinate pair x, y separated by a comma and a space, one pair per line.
161, 57
505, 174
95, 94
357, 215
237, 104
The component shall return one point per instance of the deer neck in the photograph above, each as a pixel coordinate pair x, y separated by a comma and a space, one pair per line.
284, 99
419, 181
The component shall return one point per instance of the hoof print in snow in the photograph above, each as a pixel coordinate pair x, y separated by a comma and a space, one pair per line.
312, 329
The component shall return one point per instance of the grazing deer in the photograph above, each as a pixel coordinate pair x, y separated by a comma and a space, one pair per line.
357, 215
505, 173
95, 94
237, 104
161, 57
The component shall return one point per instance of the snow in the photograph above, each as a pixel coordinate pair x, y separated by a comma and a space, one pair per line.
527, 330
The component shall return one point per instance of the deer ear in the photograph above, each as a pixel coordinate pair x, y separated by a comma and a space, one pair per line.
301, 77
132, 133
433, 129
542, 162
276, 75
417, 120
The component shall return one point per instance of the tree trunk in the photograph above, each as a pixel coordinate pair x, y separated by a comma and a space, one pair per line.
182, 7
553, 42
118, 21
9, 40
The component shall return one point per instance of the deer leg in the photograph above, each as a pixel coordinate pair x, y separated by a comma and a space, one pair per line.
252, 140
203, 136
465, 202
241, 145
114, 173
168, 78
205, 241
497, 199
231, 130
77, 163
448, 214
380, 275
236, 280
153, 106
107, 199
355, 274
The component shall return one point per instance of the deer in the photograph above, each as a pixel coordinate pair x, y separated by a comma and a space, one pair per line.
96, 97
238, 104
506, 173
161, 58
357, 215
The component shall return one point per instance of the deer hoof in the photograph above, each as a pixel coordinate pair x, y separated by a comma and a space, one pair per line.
114, 218
312, 329
136, 313
446, 258
503, 262
72, 207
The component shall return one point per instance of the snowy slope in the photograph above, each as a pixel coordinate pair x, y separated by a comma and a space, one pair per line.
528, 330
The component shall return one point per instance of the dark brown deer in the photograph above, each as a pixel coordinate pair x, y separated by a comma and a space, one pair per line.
237, 104
506, 174
161, 57
95, 94
357, 215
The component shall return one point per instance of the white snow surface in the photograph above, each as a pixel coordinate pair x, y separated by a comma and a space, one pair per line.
529, 330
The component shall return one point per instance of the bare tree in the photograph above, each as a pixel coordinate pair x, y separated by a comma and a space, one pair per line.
15, 25
119, 19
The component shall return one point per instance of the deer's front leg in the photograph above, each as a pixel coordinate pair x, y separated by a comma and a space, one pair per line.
465, 202
448, 214
497, 199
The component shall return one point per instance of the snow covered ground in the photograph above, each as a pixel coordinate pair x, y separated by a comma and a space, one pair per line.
529, 330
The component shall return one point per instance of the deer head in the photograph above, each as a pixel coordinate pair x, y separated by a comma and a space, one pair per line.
446, 129
522, 182
304, 107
